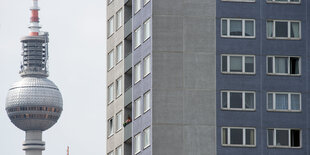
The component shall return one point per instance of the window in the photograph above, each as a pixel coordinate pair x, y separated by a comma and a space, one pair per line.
137, 72
110, 26
283, 29
147, 137
111, 153
137, 107
111, 93
119, 18
238, 28
284, 138
238, 64
119, 121
284, 1
110, 127
137, 37
147, 101
110, 60
233, 136
283, 65
147, 29
110, 1
119, 52
137, 143
118, 150
119, 87
147, 65
238, 100
146, 1
137, 5
282, 101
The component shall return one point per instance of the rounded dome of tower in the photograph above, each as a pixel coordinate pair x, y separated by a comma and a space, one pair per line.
34, 104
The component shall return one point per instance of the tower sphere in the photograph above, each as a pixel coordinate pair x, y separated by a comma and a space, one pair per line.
34, 104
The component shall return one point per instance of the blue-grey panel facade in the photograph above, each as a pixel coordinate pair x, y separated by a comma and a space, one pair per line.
260, 82
145, 85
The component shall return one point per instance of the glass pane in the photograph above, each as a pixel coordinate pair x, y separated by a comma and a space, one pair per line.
270, 29
249, 100
295, 102
235, 27
249, 28
270, 101
224, 63
235, 100
270, 65
224, 136
224, 99
224, 27
250, 136
281, 65
295, 138
236, 63
236, 136
281, 29
282, 137
294, 65
249, 64
281, 101
270, 137
295, 30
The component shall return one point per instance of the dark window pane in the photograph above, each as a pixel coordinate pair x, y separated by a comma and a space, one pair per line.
249, 64
295, 138
281, 29
224, 27
249, 100
235, 100
224, 99
270, 101
250, 136
224, 63
270, 65
294, 65
235, 27
270, 137
282, 138
236, 136
249, 28
224, 135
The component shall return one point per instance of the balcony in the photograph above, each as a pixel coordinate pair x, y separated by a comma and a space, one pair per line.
128, 62
128, 132
128, 28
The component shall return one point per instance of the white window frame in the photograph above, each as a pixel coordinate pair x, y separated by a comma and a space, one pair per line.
137, 6
110, 26
243, 64
119, 52
137, 71
146, 132
147, 28
119, 84
119, 20
146, 2
243, 28
119, 121
110, 61
289, 138
137, 104
147, 107
289, 101
146, 65
243, 100
137, 147
243, 136
288, 63
288, 1
110, 93
288, 27
239, 0
117, 149
110, 128
138, 39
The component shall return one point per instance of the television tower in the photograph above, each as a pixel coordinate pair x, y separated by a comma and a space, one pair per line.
34, 104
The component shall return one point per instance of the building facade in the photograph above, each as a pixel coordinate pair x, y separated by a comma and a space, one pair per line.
207, 77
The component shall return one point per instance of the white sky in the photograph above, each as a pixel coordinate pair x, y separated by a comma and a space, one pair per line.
77, 46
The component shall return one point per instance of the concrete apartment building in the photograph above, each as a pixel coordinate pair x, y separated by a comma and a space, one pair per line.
208, 77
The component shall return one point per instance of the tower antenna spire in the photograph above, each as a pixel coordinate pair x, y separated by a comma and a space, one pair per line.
34, 20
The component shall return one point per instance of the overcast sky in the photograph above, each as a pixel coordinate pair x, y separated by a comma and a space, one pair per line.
77, 66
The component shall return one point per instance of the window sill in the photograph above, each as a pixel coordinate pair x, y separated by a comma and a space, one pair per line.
118, 96
279, 74
290, 111
119, 28
138, 117
230, 145
110, 135
137, 152
119, 62
110, 69
238, 37
137, 81
238, 73
146, 39
136, 12
283, 2
146, 3
110, 102
144, 76
118, 130
283, 147
281, 38
248, 110
145, 147
247, 1
109, 36
146, 110
138, 46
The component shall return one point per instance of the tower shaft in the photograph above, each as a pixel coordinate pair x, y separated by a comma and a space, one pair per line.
33, 144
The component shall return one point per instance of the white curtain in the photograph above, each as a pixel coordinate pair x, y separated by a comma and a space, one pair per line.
249, 100
295, 30
295, 102
269, 29
281, 101
249, 28
281, 65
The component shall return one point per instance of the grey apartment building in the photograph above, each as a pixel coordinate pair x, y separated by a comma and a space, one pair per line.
208, 77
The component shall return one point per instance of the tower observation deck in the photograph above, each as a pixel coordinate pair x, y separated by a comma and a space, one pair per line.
34, 104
